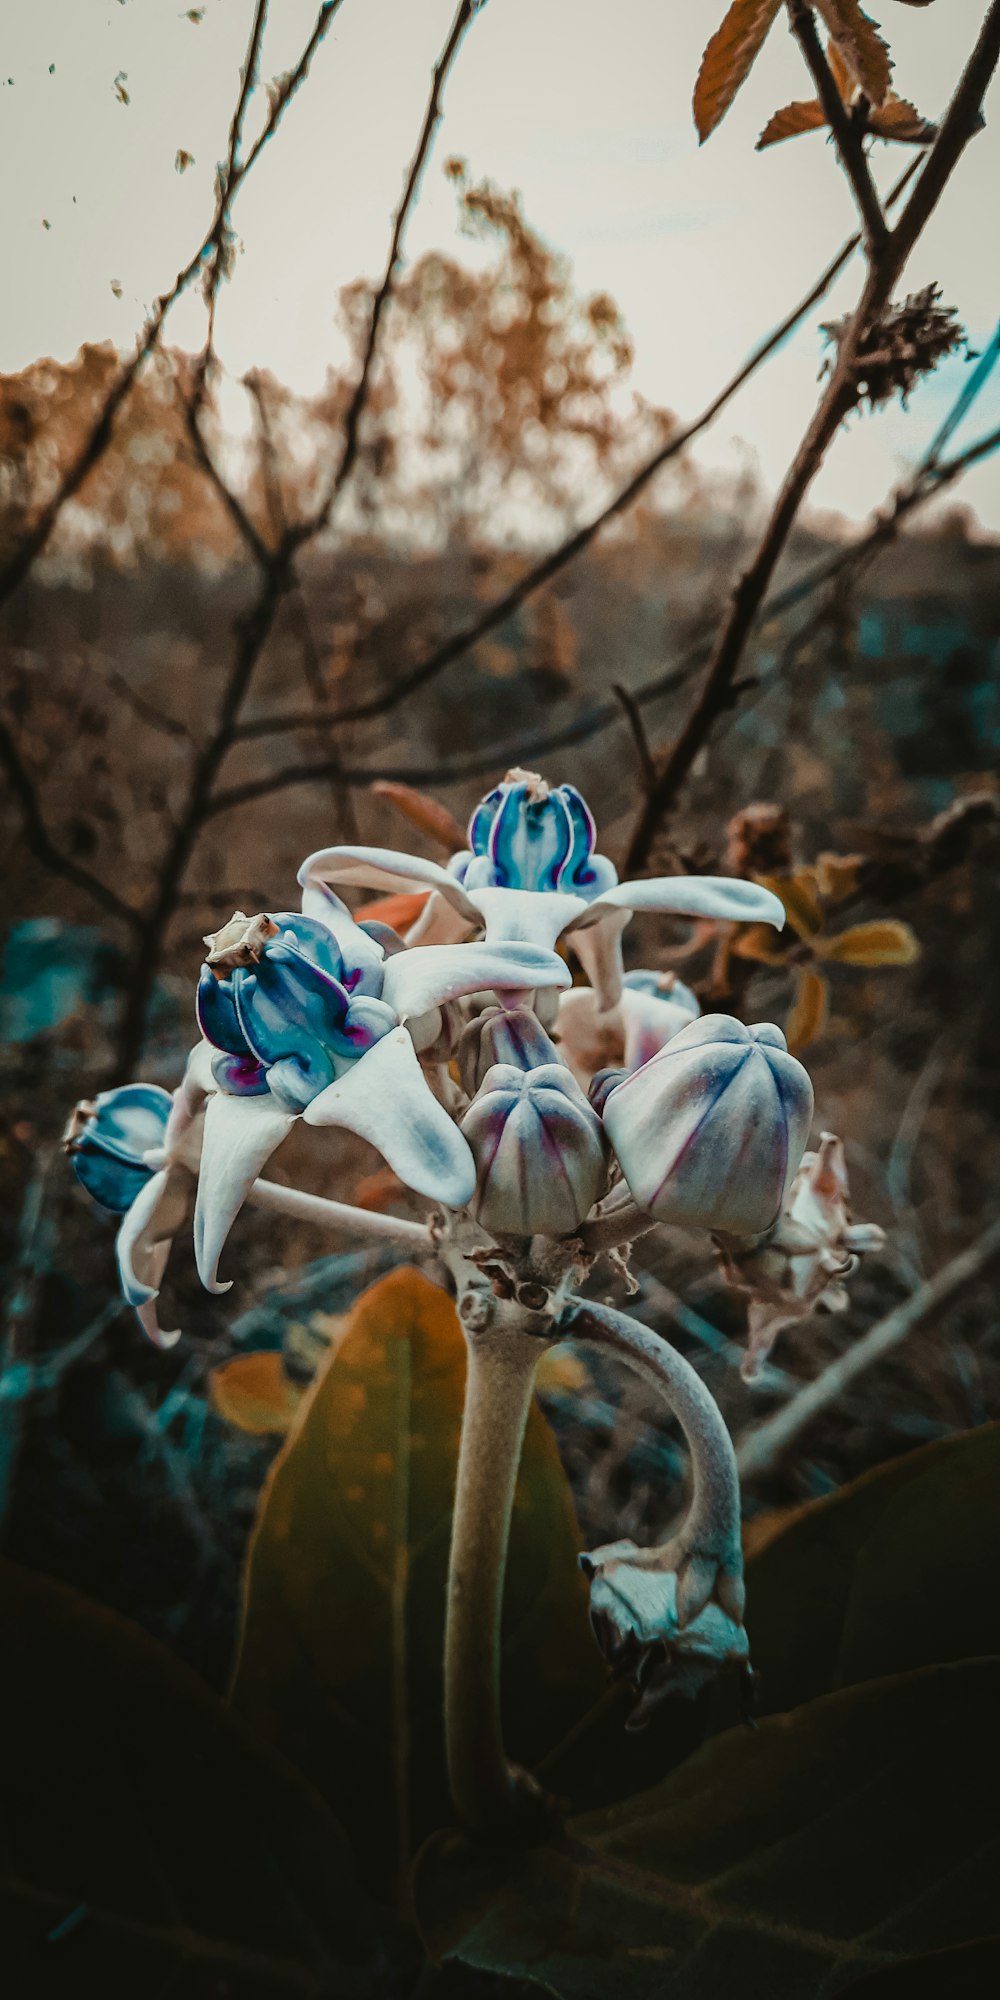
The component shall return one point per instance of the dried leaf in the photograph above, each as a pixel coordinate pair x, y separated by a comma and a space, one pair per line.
805, 116
884, 942
863, 52
399, 912
837, 874
253, 1392
798, 893
728, 60
183, 160
899, 119
433, 819
759, 942
807, 1019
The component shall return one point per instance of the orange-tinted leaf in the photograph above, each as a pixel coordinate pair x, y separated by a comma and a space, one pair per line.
899, 119
806, 116
807, 1019
399, 912
728, 60
884, 942
433, 819
759, 942
378, 1190
837, 874
860, 46
253, 1392
798, 892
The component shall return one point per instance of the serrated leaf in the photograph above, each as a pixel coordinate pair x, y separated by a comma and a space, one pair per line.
428, 814
884, 1576
728, 60
804, 116
807, 1018
253, 1392
886, 941
860, 46
898, 119
785, 1861
341, 1652
148, 1842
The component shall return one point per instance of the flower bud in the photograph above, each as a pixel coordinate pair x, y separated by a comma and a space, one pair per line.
634, 1614
108, 1139
539, 1152
515, 1039
710, 1131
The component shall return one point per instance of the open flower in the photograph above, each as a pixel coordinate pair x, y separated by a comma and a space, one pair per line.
136, 1152
653, 1007
531, 874
309, 1015
710, 1132
633, 1610
802, 1264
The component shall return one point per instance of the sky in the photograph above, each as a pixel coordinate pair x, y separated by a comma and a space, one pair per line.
582, 105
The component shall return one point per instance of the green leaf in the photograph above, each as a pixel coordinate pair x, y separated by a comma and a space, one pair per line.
888, 1574
782, 1862
147, 1840
343, 1639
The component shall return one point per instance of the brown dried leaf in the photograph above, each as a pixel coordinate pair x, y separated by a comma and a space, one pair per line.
728, 60
798, 892
861, 48
884, 942
253, 1392
759, 943
899, 119
810, 1007
399, 912
837, 874
804, 116
433, 819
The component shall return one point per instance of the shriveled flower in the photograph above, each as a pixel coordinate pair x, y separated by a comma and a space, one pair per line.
710, 1132
802, 1263
138, 1158
653, 1007
539, 1151
633, 1610
309, 1015
531, 873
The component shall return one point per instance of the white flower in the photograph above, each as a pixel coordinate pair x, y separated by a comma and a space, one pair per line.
653, 1007
531, 875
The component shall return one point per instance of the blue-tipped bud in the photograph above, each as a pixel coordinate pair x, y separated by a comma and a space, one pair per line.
107, 1140
711, 1131
527, 834
539, 1151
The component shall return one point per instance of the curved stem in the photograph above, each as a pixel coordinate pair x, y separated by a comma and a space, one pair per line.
338, 1214
502, 1362
709, 1542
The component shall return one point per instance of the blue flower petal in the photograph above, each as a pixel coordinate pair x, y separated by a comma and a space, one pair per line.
217, 1016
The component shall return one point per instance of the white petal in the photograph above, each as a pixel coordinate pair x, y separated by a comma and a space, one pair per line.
723, 896
599, 950
527, 916
386, 1099
383, 868
439, 923
324, 907
241, 1133
195, 1086
651, 1020
431, 974
143, 1246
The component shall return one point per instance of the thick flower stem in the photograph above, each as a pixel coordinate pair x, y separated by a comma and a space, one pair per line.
338, 1214
502, 1361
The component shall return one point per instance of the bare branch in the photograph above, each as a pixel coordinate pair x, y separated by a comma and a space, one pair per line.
847, 133
44, 848
633, 716
763, 1445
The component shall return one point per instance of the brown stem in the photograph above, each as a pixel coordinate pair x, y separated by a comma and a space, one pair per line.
849, 139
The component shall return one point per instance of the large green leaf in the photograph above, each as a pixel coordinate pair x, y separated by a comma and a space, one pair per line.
147, 1842
341, 1656
890, 1573
782, 1863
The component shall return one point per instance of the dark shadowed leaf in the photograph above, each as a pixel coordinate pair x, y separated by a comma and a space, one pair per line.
890, 1573
970, 1972
148, 1841
341, 1656
805, 116
783, 1862
729, 58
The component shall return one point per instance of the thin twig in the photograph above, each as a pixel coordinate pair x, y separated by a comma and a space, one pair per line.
44, 848
845, 131
510, 601
633, 716
99, 436
763, 1445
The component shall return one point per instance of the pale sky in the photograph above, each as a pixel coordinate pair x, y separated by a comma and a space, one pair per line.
583, 105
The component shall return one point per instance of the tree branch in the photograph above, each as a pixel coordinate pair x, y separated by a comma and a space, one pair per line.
846, 132
44, 848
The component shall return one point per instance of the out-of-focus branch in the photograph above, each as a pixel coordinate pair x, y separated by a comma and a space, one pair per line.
99, 436
763, 1445
715, 696
541, 573
848, 135
306, 530
44, 848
